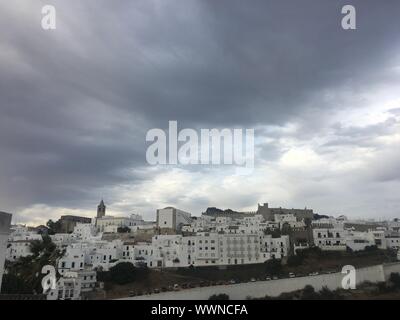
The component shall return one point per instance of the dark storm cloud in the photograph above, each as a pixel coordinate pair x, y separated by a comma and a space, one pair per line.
76, 102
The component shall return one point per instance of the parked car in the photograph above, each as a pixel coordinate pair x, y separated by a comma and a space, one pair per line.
232, 281
268, 278
275, 278
253, 280
132, 293
156, 290
292, 275
176, 287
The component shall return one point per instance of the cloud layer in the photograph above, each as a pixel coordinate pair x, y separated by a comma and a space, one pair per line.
76, 104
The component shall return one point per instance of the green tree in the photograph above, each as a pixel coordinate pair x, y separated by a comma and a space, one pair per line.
123, 273
29, 269
295, 261
395, 280
123, 230
14, 284
54, 227
273, 267
309, 293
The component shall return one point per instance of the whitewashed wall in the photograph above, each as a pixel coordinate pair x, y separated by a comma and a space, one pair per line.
275, 287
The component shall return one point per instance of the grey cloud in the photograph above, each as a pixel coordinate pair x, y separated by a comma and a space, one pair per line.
76, 103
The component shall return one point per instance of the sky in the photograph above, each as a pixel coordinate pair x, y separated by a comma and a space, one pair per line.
76, 104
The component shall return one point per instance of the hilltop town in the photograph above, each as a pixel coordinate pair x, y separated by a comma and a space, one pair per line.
178, 240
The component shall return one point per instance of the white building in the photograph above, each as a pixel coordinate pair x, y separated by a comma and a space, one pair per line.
394, 225
210, 248
62, 240
19, 242
5, 222
393, 242
88, 280
111, 224
379, 238
290, 220
330, 239
68, 287
172, 219
73, 284
85, 231
73, 260
358, 241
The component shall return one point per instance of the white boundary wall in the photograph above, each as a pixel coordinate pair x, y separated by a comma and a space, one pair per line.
274, 288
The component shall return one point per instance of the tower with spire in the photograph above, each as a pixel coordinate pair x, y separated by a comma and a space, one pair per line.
101, 209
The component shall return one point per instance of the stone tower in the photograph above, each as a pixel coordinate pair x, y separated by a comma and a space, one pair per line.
101, 209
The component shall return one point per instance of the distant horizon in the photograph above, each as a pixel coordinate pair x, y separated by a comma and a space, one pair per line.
147, 218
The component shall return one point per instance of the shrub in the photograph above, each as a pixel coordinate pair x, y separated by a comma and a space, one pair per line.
395, 280
122, 273
13, 284
372, 248
273, 267
309, 293
221, 296
295, 261
123, 230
